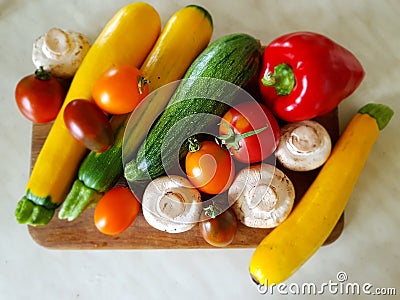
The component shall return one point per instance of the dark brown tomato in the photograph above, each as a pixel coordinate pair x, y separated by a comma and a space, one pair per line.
89, 125
219, 231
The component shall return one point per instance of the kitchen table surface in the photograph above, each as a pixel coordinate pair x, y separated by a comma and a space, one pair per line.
366, 254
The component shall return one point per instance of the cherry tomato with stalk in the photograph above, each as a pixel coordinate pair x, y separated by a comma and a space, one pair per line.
88, 124
249, 131
39, 96
209, 167
120, 89
218, 228
116, 211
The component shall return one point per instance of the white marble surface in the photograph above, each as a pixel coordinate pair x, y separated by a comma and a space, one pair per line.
368, 249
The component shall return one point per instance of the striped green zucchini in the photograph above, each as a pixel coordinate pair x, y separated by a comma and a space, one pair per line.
92, 181
233, 58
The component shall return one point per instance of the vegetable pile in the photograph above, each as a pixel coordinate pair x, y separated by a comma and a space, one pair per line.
189, 170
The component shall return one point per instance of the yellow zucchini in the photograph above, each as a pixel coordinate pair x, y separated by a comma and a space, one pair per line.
184, 36
293, 242
126, 39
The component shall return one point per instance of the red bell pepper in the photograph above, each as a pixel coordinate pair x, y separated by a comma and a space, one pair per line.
305, 75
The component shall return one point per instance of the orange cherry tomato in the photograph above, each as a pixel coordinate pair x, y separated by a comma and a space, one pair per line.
219, 230
120, 89
210, 169
116, 211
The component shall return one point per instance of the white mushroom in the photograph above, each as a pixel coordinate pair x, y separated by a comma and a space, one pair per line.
171, 204
303, 146
262, 196
60, 52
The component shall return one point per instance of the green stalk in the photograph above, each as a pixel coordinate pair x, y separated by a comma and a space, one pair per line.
30, 213
380, 112
283, 79
79, 198
42, 74
231, 139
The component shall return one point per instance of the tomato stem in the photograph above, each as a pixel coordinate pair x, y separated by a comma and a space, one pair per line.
212, 211
282, 79
194, 144
231, 139
42, 74
141, 83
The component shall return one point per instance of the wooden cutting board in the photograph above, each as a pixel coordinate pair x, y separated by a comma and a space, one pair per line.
82, 234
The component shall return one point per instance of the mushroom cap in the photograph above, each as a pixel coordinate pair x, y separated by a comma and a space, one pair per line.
303, 146
263, 196
60, 52
170, 203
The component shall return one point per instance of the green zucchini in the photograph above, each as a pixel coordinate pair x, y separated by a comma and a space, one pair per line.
92, 180
90, 171
235, 59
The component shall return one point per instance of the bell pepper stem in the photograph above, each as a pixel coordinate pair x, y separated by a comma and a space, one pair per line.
283, 79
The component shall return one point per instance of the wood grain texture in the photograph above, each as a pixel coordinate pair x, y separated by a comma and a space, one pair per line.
82, 234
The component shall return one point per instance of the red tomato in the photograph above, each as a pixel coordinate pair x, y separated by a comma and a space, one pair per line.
242, 119
210, 169
116, 211
39, 97
89, 125
120, 89
220, 230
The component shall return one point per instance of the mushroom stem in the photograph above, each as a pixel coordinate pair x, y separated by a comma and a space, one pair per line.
171, 204
56, 43
303, 139
262, 195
